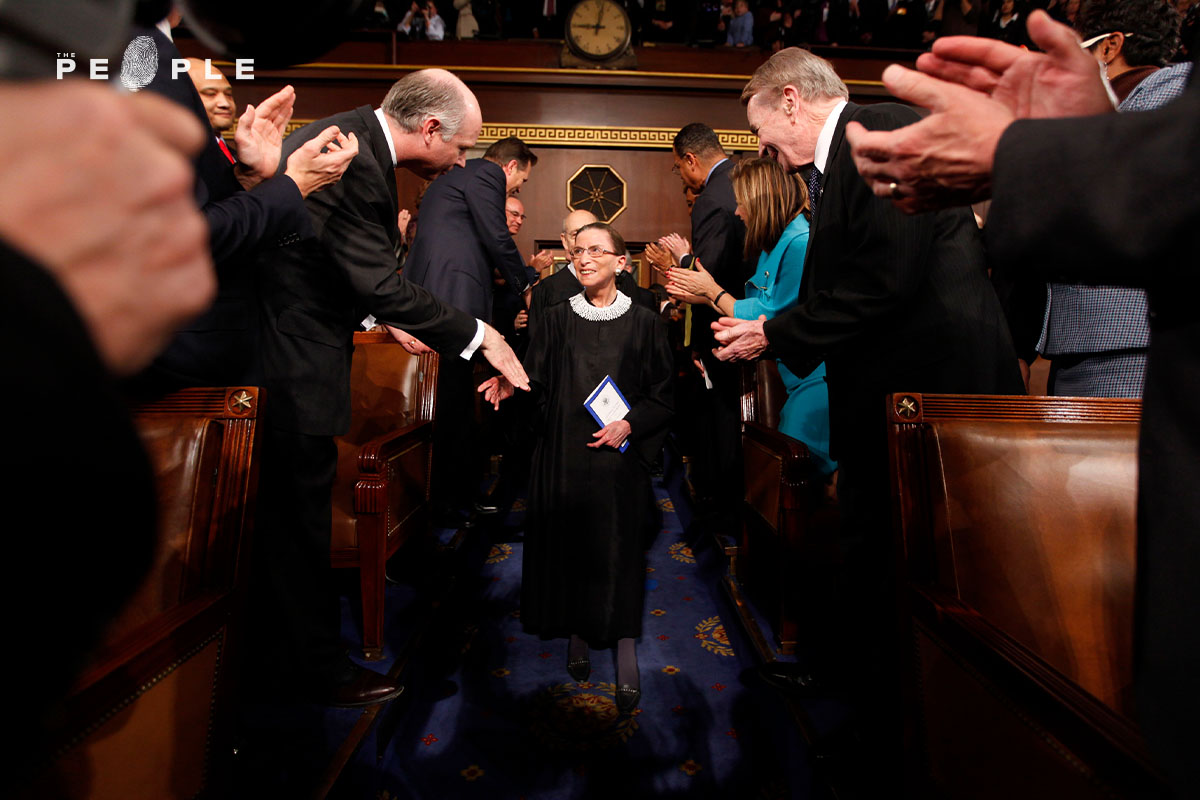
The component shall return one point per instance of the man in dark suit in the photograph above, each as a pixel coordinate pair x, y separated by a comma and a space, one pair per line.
314, 293
463, 234
462, 238
891, 303
250, 203
1047, 219
718, 237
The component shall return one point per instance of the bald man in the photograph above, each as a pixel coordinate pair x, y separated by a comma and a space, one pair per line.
215, 93
562, 284
514, 214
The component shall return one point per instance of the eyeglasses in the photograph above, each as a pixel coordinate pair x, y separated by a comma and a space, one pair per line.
515, 215
594, 251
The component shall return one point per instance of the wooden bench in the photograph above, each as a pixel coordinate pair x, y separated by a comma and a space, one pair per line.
789, 524
381, 493
1016, 536
150, 716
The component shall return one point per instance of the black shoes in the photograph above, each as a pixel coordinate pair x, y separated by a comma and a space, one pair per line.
628, 698
362, 688
579, 668
793, 680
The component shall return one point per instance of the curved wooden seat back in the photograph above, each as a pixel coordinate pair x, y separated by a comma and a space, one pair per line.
381, 493
1016, 519
150, 716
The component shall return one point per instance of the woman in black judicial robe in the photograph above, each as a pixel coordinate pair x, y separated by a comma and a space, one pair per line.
584, 558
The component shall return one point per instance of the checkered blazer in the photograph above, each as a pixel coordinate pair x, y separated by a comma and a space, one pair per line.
1095, 319
1158, 89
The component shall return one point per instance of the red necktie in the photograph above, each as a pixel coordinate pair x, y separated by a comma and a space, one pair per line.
225, 149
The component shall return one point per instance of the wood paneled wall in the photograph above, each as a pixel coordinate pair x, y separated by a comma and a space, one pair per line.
518, 84
654, 196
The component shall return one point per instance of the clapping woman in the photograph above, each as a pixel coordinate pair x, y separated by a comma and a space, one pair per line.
771, 203
583, 563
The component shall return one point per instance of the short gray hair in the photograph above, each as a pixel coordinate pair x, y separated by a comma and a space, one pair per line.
423, 94
812, 76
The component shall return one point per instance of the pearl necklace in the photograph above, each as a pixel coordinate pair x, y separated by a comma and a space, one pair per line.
581, 306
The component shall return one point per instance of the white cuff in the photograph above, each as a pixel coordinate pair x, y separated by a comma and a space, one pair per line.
475, 341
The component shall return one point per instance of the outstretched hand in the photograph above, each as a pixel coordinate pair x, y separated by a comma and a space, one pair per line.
502, 357
612, 435
495, 390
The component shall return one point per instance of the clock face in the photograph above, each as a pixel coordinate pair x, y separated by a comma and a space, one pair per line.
598, 29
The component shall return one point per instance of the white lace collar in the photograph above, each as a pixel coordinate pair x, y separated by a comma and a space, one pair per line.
581, 306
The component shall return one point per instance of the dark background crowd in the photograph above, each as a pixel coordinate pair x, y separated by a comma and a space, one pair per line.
766, 24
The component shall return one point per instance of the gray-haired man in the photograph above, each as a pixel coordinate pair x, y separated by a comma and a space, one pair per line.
314, 294
891, 302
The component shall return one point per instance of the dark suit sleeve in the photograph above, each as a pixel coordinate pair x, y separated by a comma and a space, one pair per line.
880, 268
1098, 199
712, 229
271, 213
79, 418
485, 196
362, 251
240, 221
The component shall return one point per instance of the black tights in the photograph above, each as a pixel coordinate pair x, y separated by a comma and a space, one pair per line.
627, 666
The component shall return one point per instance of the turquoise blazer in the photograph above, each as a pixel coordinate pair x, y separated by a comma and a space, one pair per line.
772, 290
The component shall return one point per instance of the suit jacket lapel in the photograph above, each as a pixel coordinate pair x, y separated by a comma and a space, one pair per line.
835, 145
379, 150
823, 212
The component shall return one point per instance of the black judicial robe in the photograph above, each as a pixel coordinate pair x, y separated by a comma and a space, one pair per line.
584, 562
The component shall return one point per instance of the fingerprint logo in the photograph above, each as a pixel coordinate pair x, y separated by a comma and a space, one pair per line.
139, 64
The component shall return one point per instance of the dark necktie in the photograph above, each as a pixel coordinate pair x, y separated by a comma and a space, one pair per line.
814, 188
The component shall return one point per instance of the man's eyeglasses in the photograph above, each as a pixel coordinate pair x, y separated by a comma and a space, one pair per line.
593, 251
515, 215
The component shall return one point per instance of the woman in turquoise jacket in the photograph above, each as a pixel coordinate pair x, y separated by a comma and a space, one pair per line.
771, 203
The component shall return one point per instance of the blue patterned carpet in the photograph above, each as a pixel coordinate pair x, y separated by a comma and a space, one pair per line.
492, 713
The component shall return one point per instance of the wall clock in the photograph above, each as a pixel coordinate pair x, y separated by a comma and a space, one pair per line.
597, 34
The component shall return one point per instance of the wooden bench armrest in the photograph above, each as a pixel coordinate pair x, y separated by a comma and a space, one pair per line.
373, 455
797, 465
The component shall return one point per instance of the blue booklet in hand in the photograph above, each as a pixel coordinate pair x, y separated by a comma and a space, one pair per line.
606, 404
